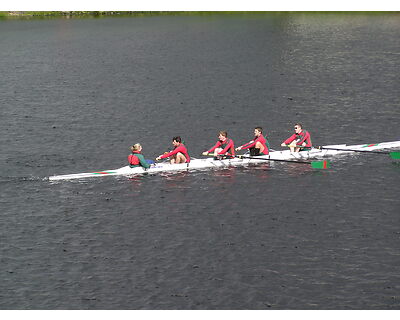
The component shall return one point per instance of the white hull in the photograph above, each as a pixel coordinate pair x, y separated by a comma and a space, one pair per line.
211, 163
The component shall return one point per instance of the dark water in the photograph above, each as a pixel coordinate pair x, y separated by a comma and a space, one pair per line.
75, 94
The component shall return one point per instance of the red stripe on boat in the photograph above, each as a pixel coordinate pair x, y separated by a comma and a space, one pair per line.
370, 145
102, 172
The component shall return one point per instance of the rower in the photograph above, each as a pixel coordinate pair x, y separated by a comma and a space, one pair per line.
136, 159
299, 140
179, 154
223, 147
257, 146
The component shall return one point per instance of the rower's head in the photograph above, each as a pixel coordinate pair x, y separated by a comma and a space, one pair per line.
222, 135
258, 131
136, 147
176, 141
298, 127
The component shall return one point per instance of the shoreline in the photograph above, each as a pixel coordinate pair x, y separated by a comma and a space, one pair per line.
72, 14
99, 14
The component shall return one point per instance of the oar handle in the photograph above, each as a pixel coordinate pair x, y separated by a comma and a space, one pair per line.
295, 146
219, 155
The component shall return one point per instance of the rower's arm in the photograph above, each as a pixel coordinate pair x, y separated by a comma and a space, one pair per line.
289, 140
248, 145
227, 148
305, 139
143, 162
166, 155
215, 147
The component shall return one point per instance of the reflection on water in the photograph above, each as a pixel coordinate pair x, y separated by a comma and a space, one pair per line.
76, 93
294, 169
260, 171
229, 173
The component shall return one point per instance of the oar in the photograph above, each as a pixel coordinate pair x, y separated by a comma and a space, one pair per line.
295, 146
392, 154
325, 164
212, 155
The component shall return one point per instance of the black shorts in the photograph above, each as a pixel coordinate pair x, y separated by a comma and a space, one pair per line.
254, 151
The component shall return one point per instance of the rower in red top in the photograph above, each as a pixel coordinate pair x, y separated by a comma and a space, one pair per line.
179, 154
299, 140
223, 147
257, 146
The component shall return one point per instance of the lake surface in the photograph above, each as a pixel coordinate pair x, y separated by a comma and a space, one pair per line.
75, 94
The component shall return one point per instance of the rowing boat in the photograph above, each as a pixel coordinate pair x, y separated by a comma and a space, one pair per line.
314, 153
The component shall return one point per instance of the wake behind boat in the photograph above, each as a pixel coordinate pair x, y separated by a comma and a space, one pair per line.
285, 155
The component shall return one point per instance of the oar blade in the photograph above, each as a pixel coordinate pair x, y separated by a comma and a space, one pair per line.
395, 154
320, 164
